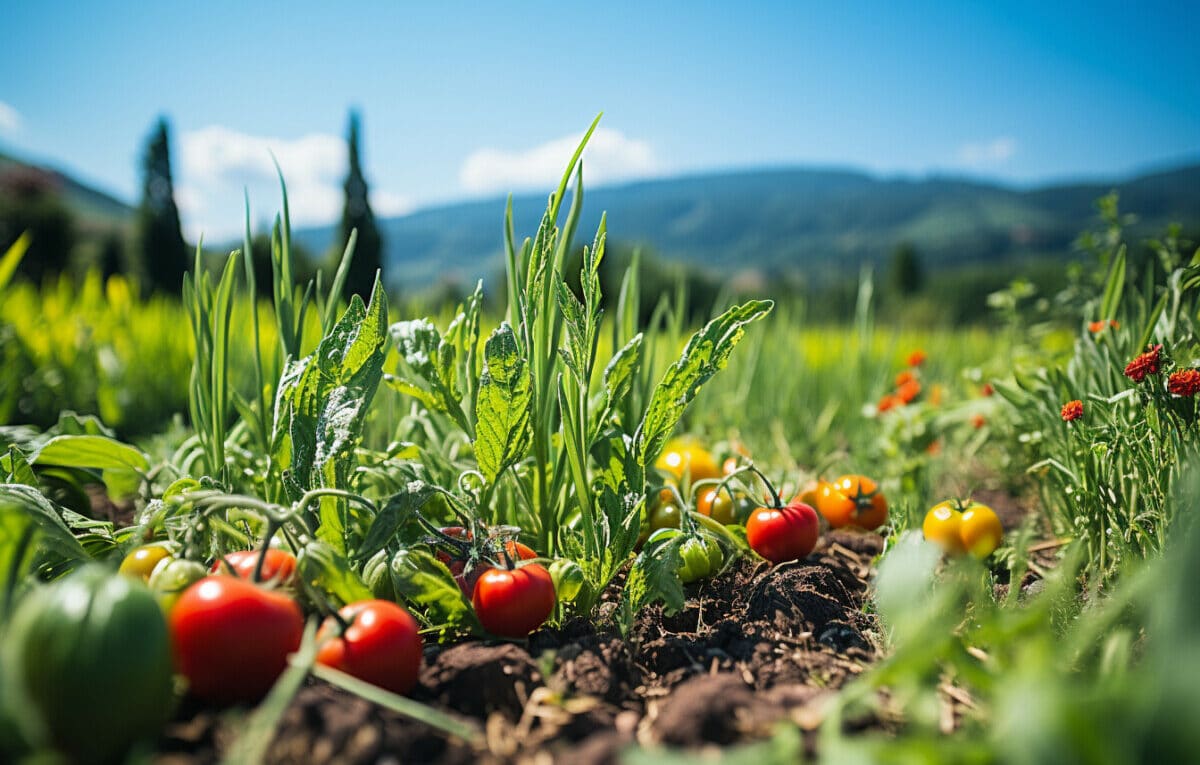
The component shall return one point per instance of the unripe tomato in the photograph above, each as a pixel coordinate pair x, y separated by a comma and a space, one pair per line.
171, 577
665, 515
783, 533
943, 526
718, 505
680, 457
382, 645
568, 579
87, 666
981, 530
231, 638
513, 603
279, 565
699, 558
852, 500
140, 561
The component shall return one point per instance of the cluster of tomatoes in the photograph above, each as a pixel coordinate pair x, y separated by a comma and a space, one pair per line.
233, 625
510, 600
778, 531
961, 526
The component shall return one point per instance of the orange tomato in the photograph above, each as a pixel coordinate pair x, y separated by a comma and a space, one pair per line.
852, 500
681, 457
718, 505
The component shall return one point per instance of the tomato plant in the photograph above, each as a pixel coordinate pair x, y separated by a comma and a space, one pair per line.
380, 645
852, 500
278, 565
514, 602
231, 638
783, 533
140, 561
90, 661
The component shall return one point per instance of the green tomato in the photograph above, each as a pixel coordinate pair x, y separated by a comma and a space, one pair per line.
87, 665
700, 557
171, 577
568, 579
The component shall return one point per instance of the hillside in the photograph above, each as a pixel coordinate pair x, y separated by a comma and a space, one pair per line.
92, 207
820, 221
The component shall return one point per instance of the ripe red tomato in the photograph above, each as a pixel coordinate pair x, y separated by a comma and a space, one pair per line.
513, 603
231, 638
852, 500
457, 565
279, 565
381, 646
783, 533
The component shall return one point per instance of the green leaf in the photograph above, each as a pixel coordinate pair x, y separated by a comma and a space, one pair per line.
425, 582
16, 469
659, 570
706, 353
324, 567
502, 415
35, 538
431, 358
401, 507
12, 258
1114, 285
90, 452
321, 404
619, 376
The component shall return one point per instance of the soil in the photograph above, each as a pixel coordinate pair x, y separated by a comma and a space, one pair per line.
752, 647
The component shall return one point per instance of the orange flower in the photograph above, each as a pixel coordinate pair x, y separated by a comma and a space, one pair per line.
888, 402
916, 358
934, 448
935, 394
908, 391
1144, 364
978, 421
986, 389
1072, 410
904, 377
1098, 326
1186, 382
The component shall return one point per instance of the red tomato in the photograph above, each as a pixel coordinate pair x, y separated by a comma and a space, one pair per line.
457, 565
279, 565
231, 639
783, 533
381, 646
852, 500
514, 603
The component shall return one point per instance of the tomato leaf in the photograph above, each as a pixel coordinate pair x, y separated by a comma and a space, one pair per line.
86, 451
425, 582
706, 353
431, 360
398, 509
502, 414
655, 575
618, 377
323, 566
16, 469
34, 539
319, 410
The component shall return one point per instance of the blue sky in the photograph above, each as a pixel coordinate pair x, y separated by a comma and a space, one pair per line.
462, 101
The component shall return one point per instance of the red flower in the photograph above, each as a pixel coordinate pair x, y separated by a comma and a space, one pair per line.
986, 389
908, 391
1186, 382
904, 377
916, 358
888, 402
1145, 364
934, 448
978, 421
1072, 410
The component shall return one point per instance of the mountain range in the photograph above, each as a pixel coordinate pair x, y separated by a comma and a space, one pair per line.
820, 222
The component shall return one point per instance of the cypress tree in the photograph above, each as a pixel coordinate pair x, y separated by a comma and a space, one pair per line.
161, 249
357, 215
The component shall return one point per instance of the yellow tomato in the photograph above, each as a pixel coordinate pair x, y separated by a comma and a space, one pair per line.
140, 563
943, 525
717, 505
681, 457
981, 530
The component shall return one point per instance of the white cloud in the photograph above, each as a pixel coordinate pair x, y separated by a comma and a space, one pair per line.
217, 163
609, 156
10, 119
987, 153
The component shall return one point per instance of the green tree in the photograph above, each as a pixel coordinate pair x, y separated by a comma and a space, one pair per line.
905, 274
357, 216
161, 250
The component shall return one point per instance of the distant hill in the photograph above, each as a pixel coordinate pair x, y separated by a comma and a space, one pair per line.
93, 208
821, 222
